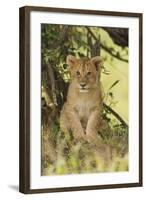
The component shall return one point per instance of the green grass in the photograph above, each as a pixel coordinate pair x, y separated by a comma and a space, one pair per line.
61, 154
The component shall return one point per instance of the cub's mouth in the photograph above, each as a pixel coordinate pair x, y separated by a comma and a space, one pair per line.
84, 89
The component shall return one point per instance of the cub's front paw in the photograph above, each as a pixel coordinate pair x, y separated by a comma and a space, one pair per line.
91, 137
79, 135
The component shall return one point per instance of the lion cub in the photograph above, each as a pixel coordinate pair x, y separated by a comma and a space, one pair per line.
81, 113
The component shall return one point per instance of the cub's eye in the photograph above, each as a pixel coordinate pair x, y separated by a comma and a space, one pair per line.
78, 73
88, 73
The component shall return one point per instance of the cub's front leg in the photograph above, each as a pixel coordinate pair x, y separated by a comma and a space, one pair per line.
73, 122
93, 125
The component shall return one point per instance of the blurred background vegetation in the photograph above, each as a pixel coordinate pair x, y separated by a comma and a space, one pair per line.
60, 153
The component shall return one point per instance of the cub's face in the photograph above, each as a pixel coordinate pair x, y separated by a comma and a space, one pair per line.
85, 73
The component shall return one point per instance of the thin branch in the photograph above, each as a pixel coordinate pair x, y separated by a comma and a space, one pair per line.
106, 48
116, 115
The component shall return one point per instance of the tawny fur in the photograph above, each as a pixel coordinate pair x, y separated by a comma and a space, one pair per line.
81, 113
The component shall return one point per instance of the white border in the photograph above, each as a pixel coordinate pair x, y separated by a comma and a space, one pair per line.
36, 180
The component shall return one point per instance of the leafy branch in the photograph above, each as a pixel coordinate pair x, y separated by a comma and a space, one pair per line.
107, 49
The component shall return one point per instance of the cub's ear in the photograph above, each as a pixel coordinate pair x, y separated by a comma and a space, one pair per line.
97, 61
71, 60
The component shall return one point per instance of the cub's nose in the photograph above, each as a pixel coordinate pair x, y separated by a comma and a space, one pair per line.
82, 84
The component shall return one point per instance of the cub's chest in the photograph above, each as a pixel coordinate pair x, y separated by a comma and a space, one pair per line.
84, 108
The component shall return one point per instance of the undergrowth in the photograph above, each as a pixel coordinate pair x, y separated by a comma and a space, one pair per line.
61, 154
